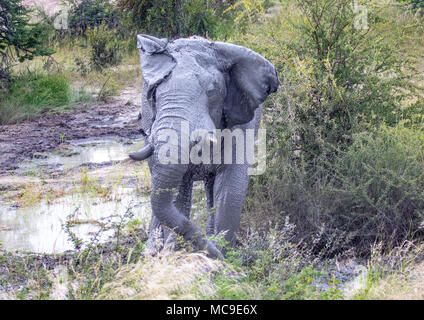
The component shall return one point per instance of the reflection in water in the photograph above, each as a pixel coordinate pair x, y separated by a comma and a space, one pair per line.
86, 152
41, 228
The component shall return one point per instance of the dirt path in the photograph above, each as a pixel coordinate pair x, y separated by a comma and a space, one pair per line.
118, 117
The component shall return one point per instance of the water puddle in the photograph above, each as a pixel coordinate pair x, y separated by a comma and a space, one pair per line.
83, 152
41, 228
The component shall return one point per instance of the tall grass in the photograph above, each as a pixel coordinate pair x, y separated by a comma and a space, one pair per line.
33, 94
35, 91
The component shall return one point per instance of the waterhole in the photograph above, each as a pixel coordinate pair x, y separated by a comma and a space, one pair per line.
42, 228
53, 226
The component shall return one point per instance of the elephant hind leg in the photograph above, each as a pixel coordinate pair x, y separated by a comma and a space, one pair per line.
210, 227
229, 195
183, 200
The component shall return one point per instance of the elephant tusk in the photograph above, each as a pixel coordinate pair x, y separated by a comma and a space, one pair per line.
143, 153
213, 140
210, 138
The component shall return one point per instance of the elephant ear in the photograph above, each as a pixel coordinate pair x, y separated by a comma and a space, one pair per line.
156, 65
250, 79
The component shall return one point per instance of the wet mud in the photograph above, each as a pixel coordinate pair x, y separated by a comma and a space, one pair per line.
30, 139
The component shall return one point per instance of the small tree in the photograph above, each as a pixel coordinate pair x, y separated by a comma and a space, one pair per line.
416, 4
338, 73
20, 39
176, 18
105, 47
91, 14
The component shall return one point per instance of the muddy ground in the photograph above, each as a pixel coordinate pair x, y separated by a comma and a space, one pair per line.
118, 117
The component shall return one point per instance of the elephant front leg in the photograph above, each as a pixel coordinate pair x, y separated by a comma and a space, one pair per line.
182, 202
165, 181
155, 241
229, 195
160, 236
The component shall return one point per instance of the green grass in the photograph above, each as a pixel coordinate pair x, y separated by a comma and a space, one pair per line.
35, 93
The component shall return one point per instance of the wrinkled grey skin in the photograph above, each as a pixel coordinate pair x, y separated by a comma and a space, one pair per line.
212, 85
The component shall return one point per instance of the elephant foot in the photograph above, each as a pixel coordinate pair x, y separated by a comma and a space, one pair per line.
161, 239
164, 239
150, 252
155, 242
201, 244
212, 251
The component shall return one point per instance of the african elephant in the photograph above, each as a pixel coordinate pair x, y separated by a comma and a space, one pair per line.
208, 86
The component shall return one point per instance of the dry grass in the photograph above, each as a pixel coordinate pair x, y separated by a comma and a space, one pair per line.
35, 192
400, 286
60, 283
30, 194
170, 275
7, 296
394, 275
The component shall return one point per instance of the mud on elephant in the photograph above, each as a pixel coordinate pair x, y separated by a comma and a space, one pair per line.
194, 85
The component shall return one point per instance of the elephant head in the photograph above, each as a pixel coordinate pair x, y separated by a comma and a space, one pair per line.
214, 85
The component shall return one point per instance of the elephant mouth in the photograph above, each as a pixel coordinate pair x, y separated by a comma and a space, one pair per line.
206, 138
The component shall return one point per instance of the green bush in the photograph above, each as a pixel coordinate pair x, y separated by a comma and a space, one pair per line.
274, 267
33, 94
198, 19
372, 191
248, 12
416, 4
91, 14
106, 48
381, 192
